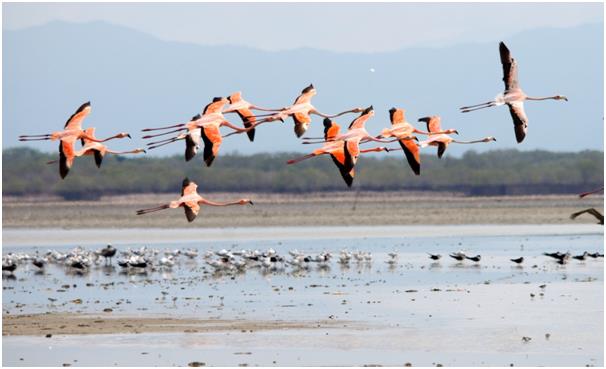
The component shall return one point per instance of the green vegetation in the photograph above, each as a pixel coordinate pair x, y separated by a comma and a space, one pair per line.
499, 172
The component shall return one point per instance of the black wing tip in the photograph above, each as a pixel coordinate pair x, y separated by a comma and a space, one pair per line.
196, 117
251, 135
308, 88
327, 122
424, 119
186, 182
520, 133
299, 130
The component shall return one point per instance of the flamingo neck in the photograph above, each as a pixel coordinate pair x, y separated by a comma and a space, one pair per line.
541, 98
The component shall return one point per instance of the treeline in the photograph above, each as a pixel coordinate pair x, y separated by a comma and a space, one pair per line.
499, 172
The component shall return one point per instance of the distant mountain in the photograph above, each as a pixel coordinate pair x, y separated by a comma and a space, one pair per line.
135, 80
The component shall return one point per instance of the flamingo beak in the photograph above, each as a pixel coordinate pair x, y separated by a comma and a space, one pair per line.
456, 132
128, 135
145, 152
250, 201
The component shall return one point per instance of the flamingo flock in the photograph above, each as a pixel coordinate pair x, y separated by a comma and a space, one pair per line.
344, 147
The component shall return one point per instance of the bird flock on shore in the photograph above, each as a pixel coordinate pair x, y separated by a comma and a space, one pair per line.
203, 130
143, 259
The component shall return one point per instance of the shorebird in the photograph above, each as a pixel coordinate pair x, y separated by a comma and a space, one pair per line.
599, 216
9, 267
244, 110
581, 257
108, 253
519, 260
474, 258
301, 111
190, 200
459, 256
434, 256
595, 255
440, 140
513, 95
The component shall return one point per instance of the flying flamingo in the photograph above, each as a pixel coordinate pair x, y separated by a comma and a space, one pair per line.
404, 132
244, 109
599, 216
190, 200
209, 123
192, 138
72, 130
513, 95
591, 192
301, 111
96, 149
442, 140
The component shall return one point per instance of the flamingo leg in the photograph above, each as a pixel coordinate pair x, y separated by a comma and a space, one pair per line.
481, 107
25, 136
35, 139
159, 128
165, 133
476, 105
151, 210
163, 144
293, 161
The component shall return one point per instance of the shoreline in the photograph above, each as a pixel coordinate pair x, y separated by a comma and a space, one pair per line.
84, 324
17, 237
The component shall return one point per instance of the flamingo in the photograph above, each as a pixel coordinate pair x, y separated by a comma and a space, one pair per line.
513, 95
337, 151
344, 148
72, 130
209, 123
301, 111
91, 147
403, 131
192, 138
190, 200
599, 216
442, 140
244, 110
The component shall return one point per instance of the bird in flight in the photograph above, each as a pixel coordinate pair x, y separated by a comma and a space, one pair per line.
441, 140
244, 110
513, 96
190, 200
301, 111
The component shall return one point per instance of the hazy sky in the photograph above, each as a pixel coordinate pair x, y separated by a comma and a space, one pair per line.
329, 26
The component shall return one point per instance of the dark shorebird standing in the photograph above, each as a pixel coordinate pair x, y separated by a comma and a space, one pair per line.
458, 256
581, 257
595, 255
10, 267
434, 256
474, 258
519, 260
108, 253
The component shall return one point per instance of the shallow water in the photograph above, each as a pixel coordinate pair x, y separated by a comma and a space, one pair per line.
418, 311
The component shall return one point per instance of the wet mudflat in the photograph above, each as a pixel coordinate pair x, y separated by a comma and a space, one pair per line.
366, 312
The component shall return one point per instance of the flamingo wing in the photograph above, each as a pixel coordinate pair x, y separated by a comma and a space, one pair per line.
599, 216
302, 121
433, 123
305, 96
216, 106
352, 151
396, 116
66, 157
98, 158
75, 121
441, 148
411, 150
510, 68
191, 210
188, 187
192, 143
248, 118
331, 129
212, 142
341, 160
520, 121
